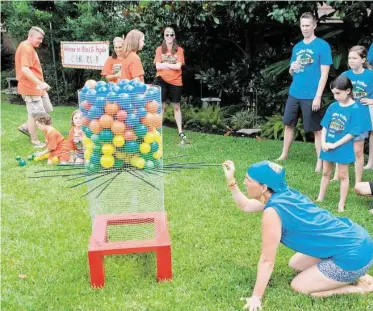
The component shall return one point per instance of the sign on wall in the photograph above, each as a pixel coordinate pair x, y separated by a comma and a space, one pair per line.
87, 55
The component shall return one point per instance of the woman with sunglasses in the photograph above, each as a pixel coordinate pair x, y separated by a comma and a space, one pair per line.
113, 65
333, 255
169, 58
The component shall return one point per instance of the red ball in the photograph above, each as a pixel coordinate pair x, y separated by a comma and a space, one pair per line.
121, 115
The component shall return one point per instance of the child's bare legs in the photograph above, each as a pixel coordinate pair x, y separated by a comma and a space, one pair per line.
369, 165
325, 179
343, 176
79, 161
317, 135
336, 173
359, 163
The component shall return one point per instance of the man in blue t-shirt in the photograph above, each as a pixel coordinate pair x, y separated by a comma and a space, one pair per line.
309, 65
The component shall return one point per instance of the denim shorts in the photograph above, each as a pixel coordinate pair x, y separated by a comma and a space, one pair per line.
362, 136
328, 268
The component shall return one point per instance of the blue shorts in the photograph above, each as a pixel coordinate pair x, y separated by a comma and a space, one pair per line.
311, 119
328, 268
362, 136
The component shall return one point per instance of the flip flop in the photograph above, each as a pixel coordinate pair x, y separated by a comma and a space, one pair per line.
23, 131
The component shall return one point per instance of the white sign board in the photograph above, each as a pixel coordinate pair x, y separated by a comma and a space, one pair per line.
87, 55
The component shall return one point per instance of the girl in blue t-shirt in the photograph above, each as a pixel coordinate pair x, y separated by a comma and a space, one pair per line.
362, 83
340, 125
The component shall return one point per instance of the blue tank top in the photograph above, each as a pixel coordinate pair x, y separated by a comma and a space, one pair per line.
308, 229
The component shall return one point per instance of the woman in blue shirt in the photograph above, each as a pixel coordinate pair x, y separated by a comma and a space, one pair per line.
332, 252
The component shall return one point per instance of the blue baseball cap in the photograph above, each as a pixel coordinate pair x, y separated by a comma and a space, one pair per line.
270, 174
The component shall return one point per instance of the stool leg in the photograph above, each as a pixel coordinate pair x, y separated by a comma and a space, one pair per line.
96, 269
164, 263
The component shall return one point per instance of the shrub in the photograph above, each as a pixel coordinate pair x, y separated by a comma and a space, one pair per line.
274, 128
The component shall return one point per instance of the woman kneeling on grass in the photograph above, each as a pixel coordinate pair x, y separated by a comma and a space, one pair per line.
332, 252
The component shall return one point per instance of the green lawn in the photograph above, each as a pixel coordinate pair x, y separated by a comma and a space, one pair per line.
215, 247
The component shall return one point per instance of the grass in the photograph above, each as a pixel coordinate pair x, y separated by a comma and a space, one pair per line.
215, 247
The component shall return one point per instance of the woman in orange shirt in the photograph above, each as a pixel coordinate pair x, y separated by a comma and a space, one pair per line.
169, 58
112, 70
132, 66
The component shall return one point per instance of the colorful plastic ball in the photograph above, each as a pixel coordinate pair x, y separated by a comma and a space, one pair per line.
118, 127
110, 85
87, 131
116, 89
123, 98
149, 137
100, 101
85, 121
102, 91
149, 165
30, 157
18, 158
21, 162
100, 84
152, 106
106, 135
118, 141
107, 149
55, 160
95, 139
132, 120
147, 156
106, 121
129, 135
121, 115
112, 96
138, 162
154, 146
139, 101
92, 167
97, 149
85, 104
131, 146
91, 95
145, 148
118, 163
90, 83
152, 93
141, 112
157, 120
95, 126
157, 163
111, 108
95, 158
107, 161
129, 89
157, 155
140, 87
95, 112
141, 130
158, 137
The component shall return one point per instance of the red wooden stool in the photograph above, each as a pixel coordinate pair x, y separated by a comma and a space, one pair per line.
99, 246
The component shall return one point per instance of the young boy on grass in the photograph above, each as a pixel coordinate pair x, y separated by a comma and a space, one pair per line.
56, 143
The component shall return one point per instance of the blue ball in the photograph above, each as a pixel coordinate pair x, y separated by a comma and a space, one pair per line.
100, 101
95, 112
115, 89
95, 158
140, 87
100, 84
91, 95
154, 147
129, 89
102, 91
123, 83
110, 85
112, 96
123, 98
141, 112
132, 120
139, 101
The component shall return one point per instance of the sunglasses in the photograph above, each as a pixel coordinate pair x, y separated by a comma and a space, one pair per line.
169, 34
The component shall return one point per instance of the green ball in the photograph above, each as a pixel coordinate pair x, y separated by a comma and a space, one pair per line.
96, 139
22, 162
91, 167
118, 163
131, 146
149, 165
18, 158
97, 149
30, 157
87, 131
154, 147
156, 163
147, 156
106, 136
141, 130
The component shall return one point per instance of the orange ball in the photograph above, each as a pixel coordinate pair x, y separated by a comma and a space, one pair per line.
95, 126
157, 120
147, 120
121, 115
106, 121
151, 106
129, 135
118, 127
85, 121
90, 83
111, 108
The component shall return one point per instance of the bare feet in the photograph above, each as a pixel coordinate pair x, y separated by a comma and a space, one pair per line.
319, 200
365, 283
335, 179
368, 167
341, 208
281, 158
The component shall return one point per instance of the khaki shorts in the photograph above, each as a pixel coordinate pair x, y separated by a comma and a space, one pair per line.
37, 104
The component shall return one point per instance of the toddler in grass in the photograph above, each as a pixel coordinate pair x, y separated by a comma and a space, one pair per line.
340, 125
56, 143
75, 139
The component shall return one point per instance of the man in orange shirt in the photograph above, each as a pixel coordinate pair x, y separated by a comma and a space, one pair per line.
31, 83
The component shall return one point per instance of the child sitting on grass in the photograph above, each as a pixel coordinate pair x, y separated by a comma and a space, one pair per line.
75, 139
56, 143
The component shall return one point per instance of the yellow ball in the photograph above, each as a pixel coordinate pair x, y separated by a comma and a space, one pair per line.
158, 137
120, 155
55, 160
138, 162
108, 149
107, 161
118, 141
144, 148
157, 155
87, 155
149, 137
86, 140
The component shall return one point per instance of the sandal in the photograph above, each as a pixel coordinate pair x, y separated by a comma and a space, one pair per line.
38, 144
23, 130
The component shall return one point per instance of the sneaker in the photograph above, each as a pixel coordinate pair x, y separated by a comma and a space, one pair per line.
184, 139
38, 144
23, 130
